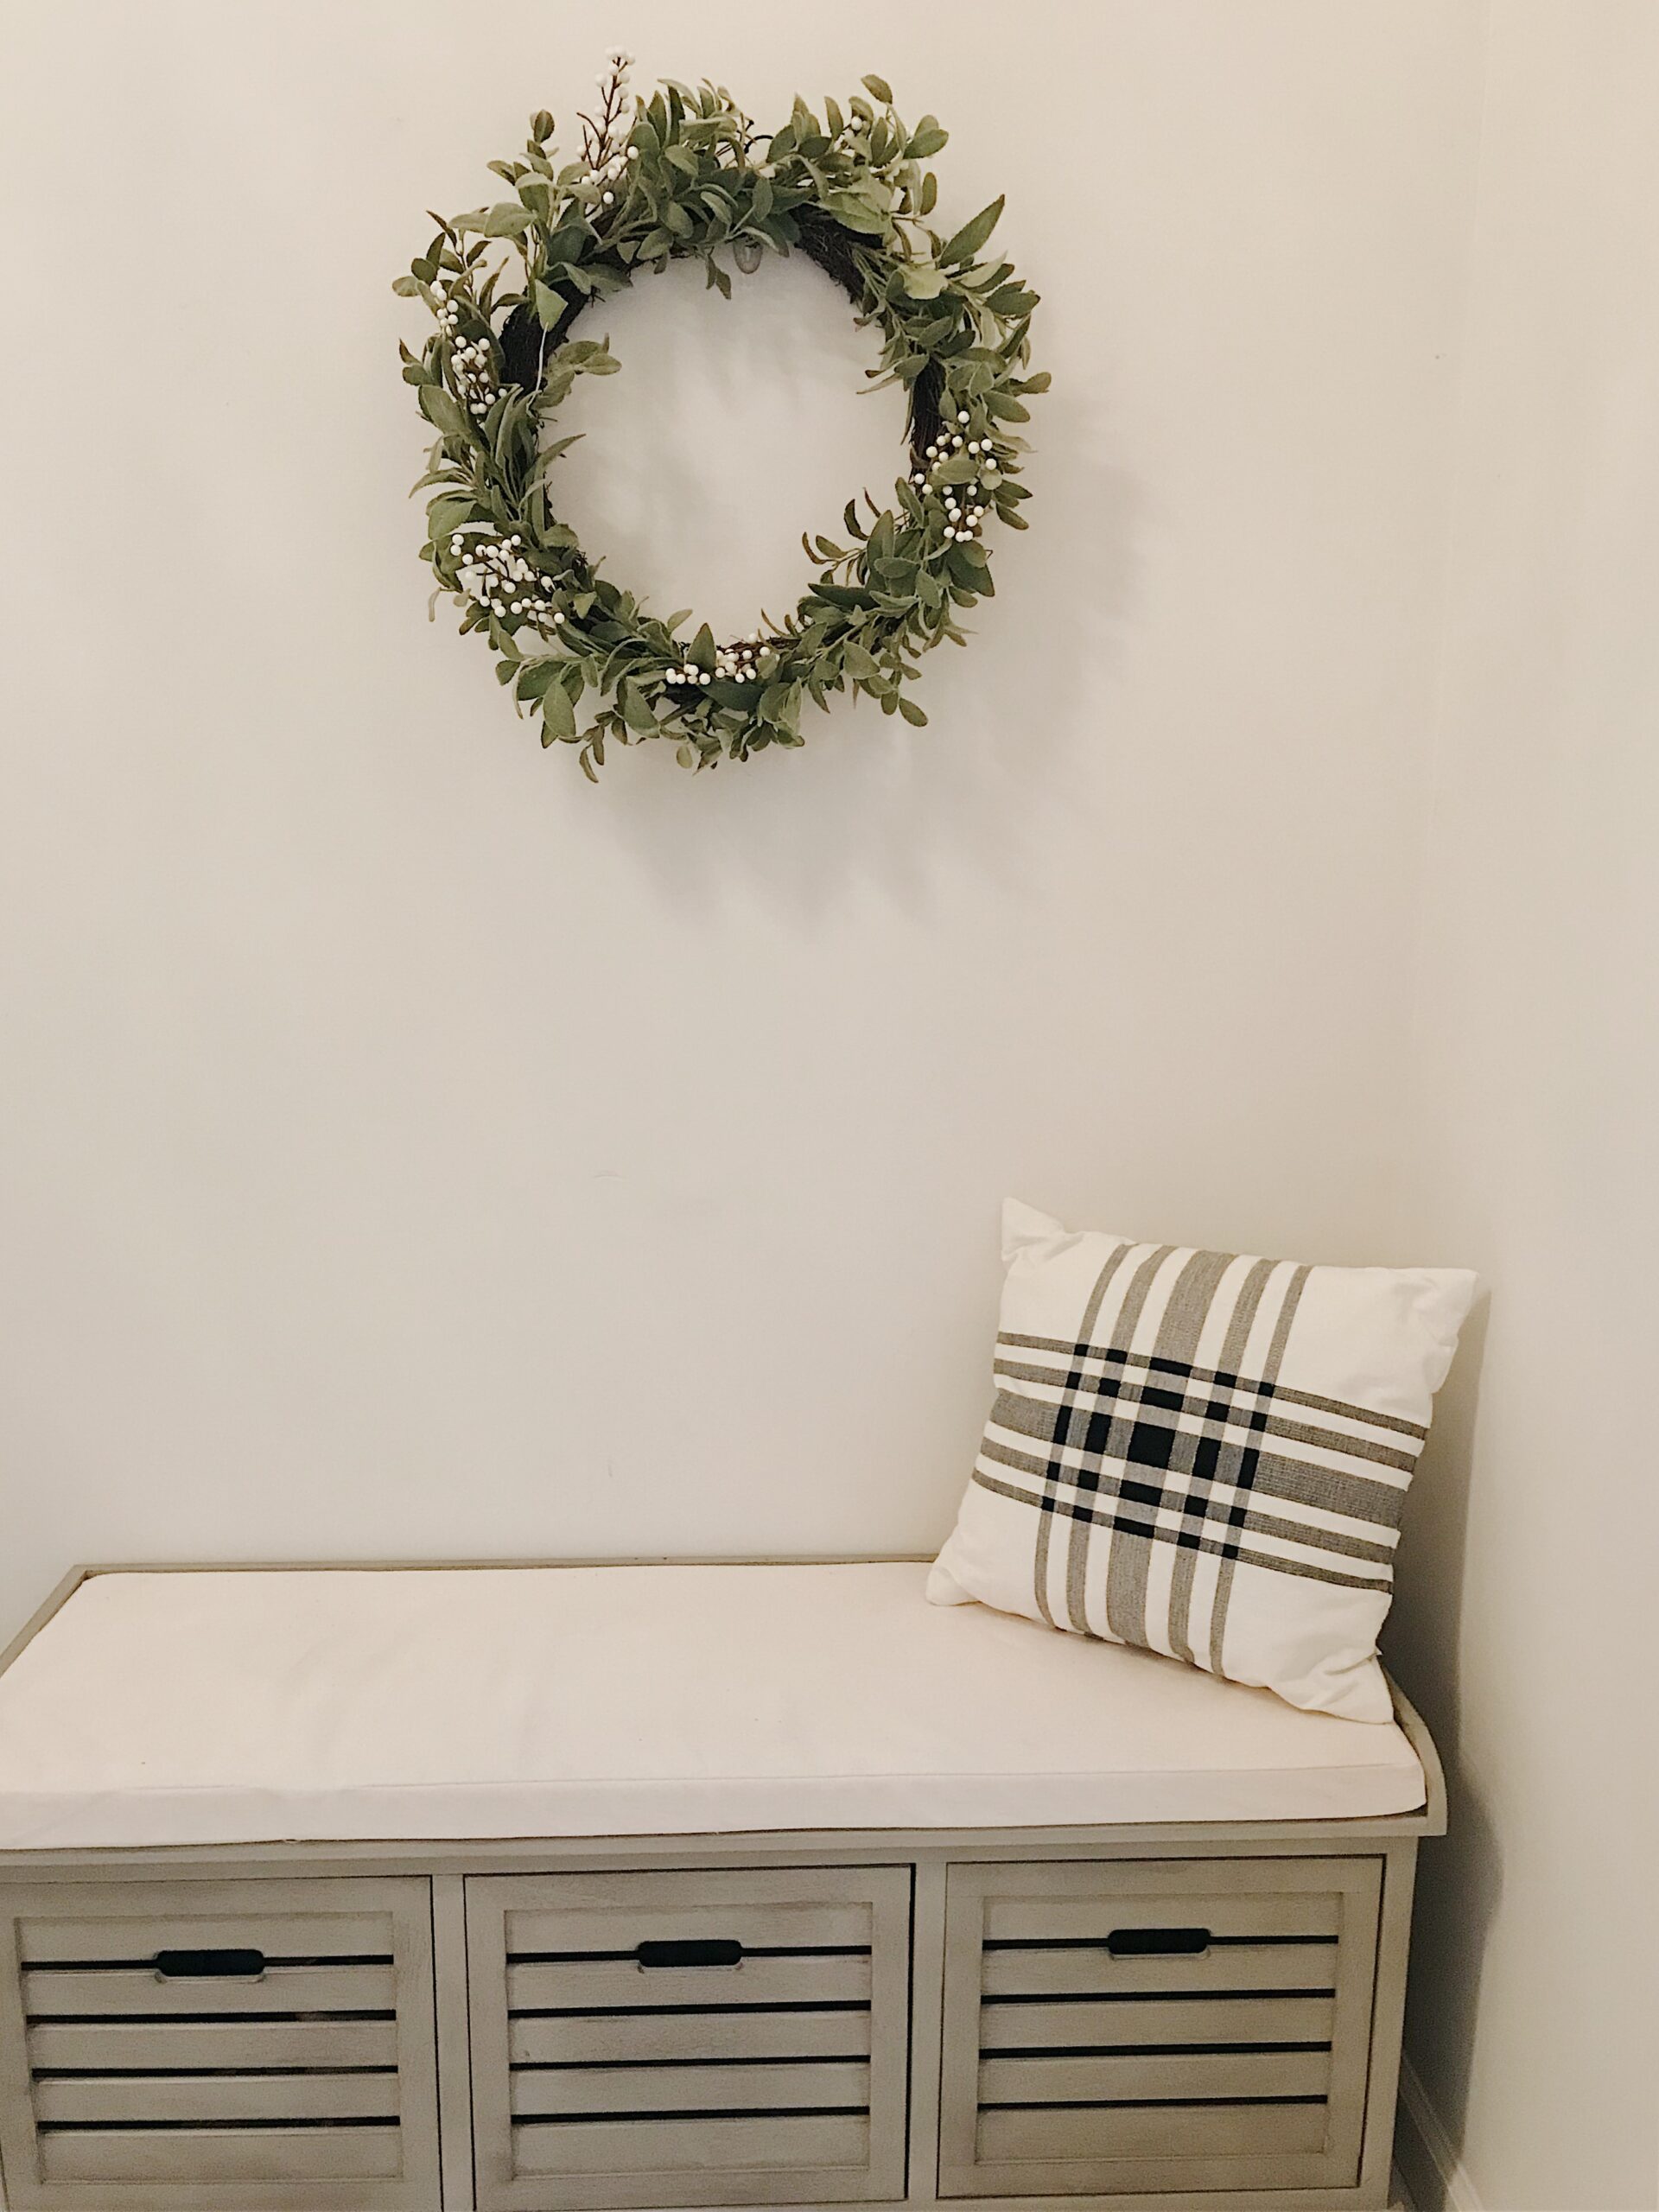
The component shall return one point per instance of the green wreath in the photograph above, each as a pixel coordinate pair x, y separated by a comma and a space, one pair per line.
685, 174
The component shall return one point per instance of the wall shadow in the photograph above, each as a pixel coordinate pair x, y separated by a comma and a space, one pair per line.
1460, 1876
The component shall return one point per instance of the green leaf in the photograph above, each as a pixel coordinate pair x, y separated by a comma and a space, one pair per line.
508, 220
854, 214
548, 306
926, 138
879, 89
701, 652
407, 288
558, 715
969, 238
911, 712
635, 712
444, 515
442, 410
923, 281
535, 677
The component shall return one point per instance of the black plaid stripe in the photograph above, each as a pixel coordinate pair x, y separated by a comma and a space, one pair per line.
1188, 1539
1083, 1356
1154, 1428
1208, 1459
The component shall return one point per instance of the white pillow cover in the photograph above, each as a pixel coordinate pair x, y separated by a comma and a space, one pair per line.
1203, 1453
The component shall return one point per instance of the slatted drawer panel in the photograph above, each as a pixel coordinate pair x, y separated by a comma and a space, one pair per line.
230, 2045
696, 2037
1175, 2025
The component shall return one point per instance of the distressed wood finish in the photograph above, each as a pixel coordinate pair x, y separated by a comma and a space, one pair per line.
178, 2085
1132, 2023
642, 2038
560, 2091
140, 2100
604, 1984
237, 2046
556, 1963
219, 2159
454, 2042
1161, 2077
1109, 2107
1060, 1974
1147, 2137
676, 2162
301, 1937
52, 1993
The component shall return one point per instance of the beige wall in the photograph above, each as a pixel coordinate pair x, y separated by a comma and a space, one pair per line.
1526, 1616
409, 1149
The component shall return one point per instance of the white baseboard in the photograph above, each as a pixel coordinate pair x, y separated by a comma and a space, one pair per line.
1429, 2165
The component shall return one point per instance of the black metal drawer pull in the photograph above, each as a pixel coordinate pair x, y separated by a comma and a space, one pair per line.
1157, 1943
691, 1951
210, 1965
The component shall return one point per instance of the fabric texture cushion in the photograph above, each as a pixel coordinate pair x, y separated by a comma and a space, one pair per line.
1203, 1453
338, 1704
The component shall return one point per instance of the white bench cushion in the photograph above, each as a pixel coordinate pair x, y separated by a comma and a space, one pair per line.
407, 1705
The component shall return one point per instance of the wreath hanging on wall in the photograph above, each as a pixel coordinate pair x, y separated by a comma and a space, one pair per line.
686, 175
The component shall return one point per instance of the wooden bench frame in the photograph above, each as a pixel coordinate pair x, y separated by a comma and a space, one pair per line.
1387, 1845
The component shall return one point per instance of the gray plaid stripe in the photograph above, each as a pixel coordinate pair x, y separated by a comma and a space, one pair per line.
1113, 1483
1132, 1390
1123, 1328
1191, 1298
1241, 1386
1077, 1511
1355, 1497
1230, 1358
1045, 1526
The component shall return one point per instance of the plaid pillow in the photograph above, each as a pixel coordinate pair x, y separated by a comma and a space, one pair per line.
1203, 1453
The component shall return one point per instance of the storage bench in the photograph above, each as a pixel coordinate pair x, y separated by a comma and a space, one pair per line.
513, 1888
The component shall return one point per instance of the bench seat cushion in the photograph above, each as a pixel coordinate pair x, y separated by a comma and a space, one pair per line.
410, 1705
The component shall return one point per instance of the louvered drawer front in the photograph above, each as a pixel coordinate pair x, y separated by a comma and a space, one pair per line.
1175, 2025
223, 2045
694, 2037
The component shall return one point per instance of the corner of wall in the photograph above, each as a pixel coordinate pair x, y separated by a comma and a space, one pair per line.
1428, 2162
